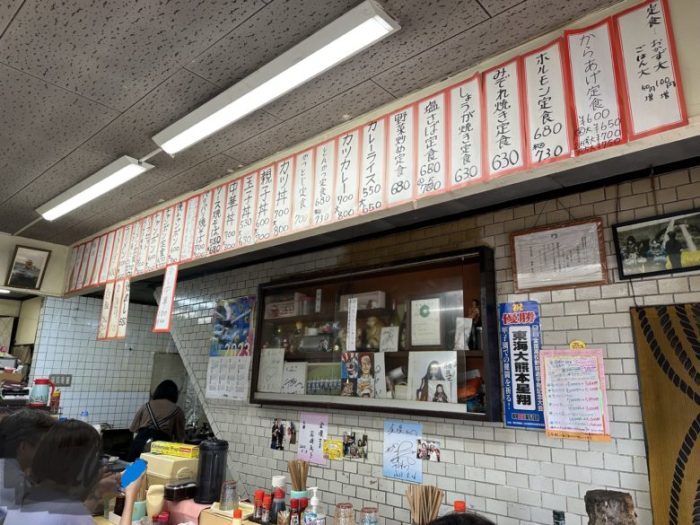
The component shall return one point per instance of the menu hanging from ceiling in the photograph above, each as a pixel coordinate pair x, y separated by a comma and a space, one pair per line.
246, 224
302, 203
347, 173
167, 298
233, 199
372, 186
123, 310
323, 188
504, 137
400, 158
105, 311
282, 223
465, 133
189, 229
216, 223
113, 324
201, 231
265, 204
431, 145
547, 122
647, 51
595, 97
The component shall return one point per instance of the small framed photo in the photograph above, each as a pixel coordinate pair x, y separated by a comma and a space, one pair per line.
27, 267
662, 244
425, 322
564, 255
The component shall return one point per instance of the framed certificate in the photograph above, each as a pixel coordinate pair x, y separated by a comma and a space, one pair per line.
425, 322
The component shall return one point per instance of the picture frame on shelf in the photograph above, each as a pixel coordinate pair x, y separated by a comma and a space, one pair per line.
27, 267
425, 323
563, 255
658, 245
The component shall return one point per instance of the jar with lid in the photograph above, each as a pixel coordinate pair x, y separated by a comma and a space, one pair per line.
369, 516
344, 514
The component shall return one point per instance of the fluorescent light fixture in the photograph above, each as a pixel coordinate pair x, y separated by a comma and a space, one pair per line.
2, 290
115, 174
346, 36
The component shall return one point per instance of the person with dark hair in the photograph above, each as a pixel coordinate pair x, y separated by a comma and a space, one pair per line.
160, 419
673, 249
462, 518
433, 373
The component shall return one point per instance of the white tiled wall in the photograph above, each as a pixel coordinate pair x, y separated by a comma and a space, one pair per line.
515, 477
111, 379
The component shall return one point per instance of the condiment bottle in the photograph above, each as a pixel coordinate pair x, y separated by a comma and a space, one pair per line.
303, 503
257, 504
460, 505
277, 504
237, 517
266, 506
294, 514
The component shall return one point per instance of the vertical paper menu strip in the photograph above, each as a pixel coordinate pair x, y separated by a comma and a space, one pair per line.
372, 181
465, 133
282, 223
124, 251
152, 257
72, 275
123, 310
92, 260
303, 190
265, 204
134, 246
164, 241
233, 202
105, 311
189, 228
246, 225
113, 325
324, 164
83, 266
432, 145
107, 258
216, 220
504, 138
141, 256
167, 297
595, 87
201, 232
95, 277
401, 157
176, 234
347, 174
548, 124
647, 53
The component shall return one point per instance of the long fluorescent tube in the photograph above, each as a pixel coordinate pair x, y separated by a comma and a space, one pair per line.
346, 36
115, 174
2, 290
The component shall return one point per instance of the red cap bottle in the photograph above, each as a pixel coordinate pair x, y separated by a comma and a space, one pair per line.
460, 506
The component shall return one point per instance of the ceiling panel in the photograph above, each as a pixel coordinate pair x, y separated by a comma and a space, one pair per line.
355, 101
535, 17
8, 8
116, 51
498, 6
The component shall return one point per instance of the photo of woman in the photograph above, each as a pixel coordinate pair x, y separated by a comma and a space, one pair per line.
427, 370
433, 373
438, 393
365, 382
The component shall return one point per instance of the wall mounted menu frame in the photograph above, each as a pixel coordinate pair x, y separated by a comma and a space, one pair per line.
565, 255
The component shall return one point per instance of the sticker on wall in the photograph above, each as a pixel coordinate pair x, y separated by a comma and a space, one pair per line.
520, 347
465, 132
333, 449
167, 298
400, 451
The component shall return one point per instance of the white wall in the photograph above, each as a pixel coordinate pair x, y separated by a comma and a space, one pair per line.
29, 313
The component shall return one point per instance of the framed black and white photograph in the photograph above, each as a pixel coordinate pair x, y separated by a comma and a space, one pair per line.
27, 267
662, 244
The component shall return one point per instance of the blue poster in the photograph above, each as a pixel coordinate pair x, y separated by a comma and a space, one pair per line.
520, 350
233, 327
401, 461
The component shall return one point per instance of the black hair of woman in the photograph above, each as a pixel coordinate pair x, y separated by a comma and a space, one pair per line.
23, 428
461, 518
68, 458
166, 390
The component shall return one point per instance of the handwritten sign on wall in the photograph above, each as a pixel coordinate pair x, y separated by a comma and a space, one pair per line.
303, 190
465, 133
190, 228
167, 298
401, 165
431, 145
372, 181
216, 226
346, 177
246, 226
400, 451
265, 205
105, 311
233, 200
282, 222
313, 431
323, 189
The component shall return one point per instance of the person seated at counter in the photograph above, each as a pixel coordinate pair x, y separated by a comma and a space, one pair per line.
462, 518
160, 419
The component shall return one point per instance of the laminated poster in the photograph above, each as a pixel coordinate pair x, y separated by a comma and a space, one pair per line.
575, 399
227, 377
372, 183
432, 145
401, 166
303, 190
265, 204
323, 184
167, 298
652, 77
313, 430
347, 173
233, 201
520, 337
465, 133
400, 451
282, 223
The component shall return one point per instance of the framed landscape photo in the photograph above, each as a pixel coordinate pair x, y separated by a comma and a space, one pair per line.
559, 256
662, 244
27, 267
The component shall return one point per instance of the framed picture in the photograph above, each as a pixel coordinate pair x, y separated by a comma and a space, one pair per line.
27, 267
662, 244
425, 322
559, 256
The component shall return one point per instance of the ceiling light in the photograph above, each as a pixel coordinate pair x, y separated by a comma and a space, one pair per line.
346, 36
115, 174
2, 290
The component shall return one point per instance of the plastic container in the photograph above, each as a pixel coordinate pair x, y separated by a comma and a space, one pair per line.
229, 496
344, 514
212, 467
369, 516
84, 416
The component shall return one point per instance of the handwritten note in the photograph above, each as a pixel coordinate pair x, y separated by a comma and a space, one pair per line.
95, 278
164, 241
105, 311
313, 431
372, 171
107, 258
400, 451
114, 261
465, 133
270, 370
140, 262
598, 118
380, 376
216, 223
134, 246
351, 329
176, 233
227, 377
265, 205
152, 257
201, 232
167, 297
303, 190
400, 162
246, 227
431, 145
123, 310
124, 251
547, 112
189, 228
654, 95
282, 223
323, 183
389, 339
347, 173
504, 137
113, 325
92, 258
294, 378
575, 401
233, 200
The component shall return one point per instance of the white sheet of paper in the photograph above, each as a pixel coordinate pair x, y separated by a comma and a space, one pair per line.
270, 370
347, 174
425, 322
176, 235
140, 261
216, 226
124, 251
380, 376
324, 164
465, 132
189, 228
113, 325
201, 231
92, 259
164, 241
152, 257
114, 260
105, 311
227, 378
167, 295
107, 258
95, 276
372, 174
294, 378
282, 222
463, 326
134, 246
432, 145
233, 201
401, 167
246, 225
85, 255
303, 190
265, 207
124, 310
351, 330
389, 339
74, 268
